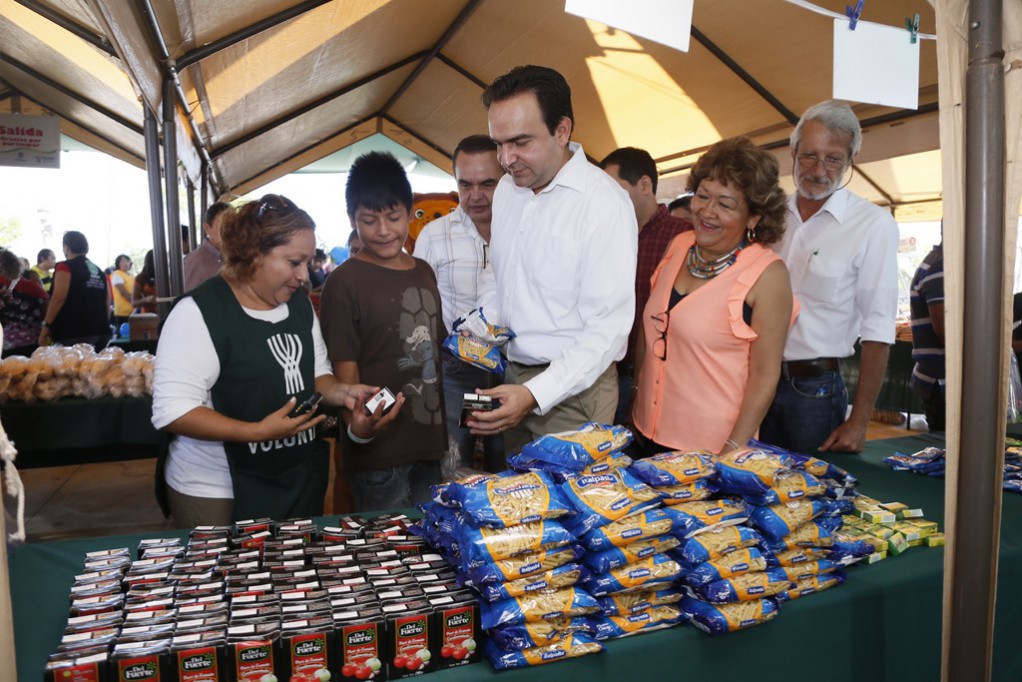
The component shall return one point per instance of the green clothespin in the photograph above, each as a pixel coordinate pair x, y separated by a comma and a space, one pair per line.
912, 25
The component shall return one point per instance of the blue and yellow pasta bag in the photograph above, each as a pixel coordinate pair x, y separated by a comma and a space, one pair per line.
717, 619
659, 569
780, 520
745, 587
697, 515
571, 646
556, 578
522, 565
600, 499
713, 543
625, 603
791, 485
487, 545
540, 633
646, 524
738, 562
601, 562
510, 500
810, 534
674, 468
750, 471
810, 585
702, 489
482, 347
653, 618
567, 602
576, 450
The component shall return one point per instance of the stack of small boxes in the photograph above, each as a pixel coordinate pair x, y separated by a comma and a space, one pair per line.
891, 527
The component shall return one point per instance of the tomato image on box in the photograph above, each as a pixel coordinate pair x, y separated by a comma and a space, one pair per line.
409, 639
360, 653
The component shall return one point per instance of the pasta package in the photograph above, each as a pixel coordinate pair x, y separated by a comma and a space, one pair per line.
612, 462
809, 534
487, 545
674, 468
688, 492
604, 498
700, 514
523, 565
601, 562
653, 618
576, 450
799, 555
475, 352
739, 562
809, 569
746, 587
716, 542
780, 520
717, 619
571, 646
625, 603
653, 570
544, 605
562, 576
807, 586
646, 524
510, 500
539, 633
751, 471
791, 485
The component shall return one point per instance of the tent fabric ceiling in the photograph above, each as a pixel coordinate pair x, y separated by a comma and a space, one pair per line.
269, 99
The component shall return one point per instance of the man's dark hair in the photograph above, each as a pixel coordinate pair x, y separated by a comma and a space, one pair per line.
474, 144
43, 255
216, 209
551, 90
632, 163
76, 242
680, 202
377, 182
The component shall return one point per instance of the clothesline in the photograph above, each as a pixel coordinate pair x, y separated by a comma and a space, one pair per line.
805, 4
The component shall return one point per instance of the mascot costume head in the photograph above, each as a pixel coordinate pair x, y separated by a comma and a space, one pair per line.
425, 209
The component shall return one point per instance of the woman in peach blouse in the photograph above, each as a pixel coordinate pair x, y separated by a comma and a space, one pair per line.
709, 355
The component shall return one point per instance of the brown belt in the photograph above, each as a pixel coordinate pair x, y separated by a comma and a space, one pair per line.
804, 369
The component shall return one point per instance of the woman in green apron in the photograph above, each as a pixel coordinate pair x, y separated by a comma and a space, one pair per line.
235, 357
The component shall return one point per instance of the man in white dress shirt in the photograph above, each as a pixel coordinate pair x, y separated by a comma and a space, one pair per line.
841, 251
457, 248
564, 251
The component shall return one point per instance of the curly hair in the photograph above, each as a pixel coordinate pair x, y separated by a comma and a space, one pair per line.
256, 229
738, 162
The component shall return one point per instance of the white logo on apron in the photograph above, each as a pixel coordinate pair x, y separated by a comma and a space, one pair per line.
287, 351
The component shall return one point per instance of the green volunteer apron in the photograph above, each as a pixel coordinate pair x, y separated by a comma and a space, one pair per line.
262, 364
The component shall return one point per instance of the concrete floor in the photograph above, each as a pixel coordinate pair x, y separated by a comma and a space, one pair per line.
116, 498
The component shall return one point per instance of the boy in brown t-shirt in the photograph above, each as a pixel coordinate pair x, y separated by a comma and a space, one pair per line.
382, 324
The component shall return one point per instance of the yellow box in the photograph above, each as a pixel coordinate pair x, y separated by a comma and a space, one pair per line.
935, 540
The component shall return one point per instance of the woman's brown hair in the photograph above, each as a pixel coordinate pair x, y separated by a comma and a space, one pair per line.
738, 162
257, 228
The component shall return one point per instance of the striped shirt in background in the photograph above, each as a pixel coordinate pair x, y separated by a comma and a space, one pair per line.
458, 255
927, 348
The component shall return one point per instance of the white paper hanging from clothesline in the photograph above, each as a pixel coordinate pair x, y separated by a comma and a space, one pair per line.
668, 22
875, 64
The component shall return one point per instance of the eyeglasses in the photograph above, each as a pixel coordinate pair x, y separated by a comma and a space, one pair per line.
272, 202
660, 323
808, 161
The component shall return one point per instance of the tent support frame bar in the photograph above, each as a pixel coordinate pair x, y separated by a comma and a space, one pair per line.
209, 49
152, 155
94, 39
970, 590
175, 251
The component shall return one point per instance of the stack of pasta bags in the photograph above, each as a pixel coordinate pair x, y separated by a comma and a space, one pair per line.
784, 550
505, 535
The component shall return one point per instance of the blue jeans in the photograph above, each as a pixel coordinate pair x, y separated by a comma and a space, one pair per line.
805, 411
461, 378
398, 487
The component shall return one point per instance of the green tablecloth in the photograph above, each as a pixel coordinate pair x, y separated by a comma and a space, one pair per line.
77, 430
884, 623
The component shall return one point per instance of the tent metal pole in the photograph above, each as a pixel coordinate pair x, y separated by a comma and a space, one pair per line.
152, 165
204, 192
193, 227
174, 250
974, 546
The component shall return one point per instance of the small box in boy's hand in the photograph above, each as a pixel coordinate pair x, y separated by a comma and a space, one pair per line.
473, 402
385, 397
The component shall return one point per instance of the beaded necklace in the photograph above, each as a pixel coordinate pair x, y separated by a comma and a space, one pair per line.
700, 268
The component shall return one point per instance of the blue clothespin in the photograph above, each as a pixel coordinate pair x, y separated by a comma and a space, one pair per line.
854, 14
913, 27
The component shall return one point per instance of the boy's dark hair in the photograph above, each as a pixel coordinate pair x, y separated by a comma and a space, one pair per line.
632, 163
43, 255
76, 242
549, 87
377, 182
680, 202
216, 209
474, 144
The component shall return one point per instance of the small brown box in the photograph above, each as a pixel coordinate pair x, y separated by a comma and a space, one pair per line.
144, 326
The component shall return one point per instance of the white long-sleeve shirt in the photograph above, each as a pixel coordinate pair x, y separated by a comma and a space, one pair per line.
844, 269
187, 366
563, 276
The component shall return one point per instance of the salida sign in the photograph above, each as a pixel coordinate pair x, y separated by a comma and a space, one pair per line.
29, 141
